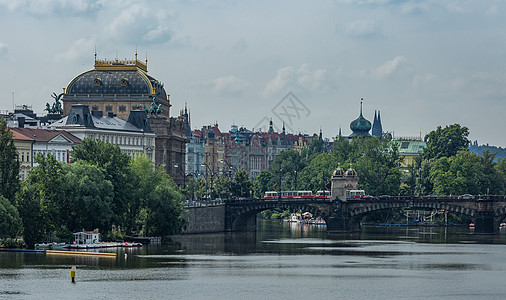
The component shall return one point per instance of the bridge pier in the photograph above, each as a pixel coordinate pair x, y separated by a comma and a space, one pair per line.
341, 220
484, 221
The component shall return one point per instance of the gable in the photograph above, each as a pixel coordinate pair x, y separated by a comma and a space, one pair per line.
60, 139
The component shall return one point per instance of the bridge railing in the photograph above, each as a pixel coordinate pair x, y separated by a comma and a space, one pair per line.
197, 203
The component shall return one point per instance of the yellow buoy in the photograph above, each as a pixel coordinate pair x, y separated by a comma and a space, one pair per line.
73, 274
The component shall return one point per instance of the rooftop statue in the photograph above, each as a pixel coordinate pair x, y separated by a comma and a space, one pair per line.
154, 108
56, 108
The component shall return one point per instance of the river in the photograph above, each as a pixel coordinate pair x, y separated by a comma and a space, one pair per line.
278, 261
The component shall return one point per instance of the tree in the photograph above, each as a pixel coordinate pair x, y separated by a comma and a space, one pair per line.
446, 141
165, 209
264, 182
378, 167
287, 165
456, 175
10, 222
160, 204
492, 181
28, 205
9, 163
116, 169
316, 176
241, 184
88, 198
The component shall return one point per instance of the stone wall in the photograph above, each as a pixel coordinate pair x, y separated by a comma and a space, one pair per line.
203, 219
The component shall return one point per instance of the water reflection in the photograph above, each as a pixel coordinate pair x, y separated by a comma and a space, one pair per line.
280, 260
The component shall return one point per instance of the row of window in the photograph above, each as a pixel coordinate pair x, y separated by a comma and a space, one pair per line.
122, 108
61, 155
23, 156
126, 140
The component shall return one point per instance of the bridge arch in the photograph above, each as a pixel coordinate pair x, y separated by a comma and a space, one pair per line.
362, 210
242, 217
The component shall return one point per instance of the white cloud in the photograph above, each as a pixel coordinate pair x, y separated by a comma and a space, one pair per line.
283, 76
303, 77
390, 67
363, 28
229, 85
139, 24
311, 79
4, 48
422, 80
481, 85
63, 8
78, 49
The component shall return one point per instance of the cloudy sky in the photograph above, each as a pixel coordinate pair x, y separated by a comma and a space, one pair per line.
421, 63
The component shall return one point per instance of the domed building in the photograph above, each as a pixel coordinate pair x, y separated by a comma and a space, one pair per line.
360, 126
117, 87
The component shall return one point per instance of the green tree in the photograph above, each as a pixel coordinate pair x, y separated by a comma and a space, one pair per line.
316, 176
47, 180
492, 181
221, 187
160, 205
89, 198
29, 208
241, 184
287, 166
9, 164
264, 182
378, 167
165, 210
10, 222
500, 168
446, 141
457, 175
116, 169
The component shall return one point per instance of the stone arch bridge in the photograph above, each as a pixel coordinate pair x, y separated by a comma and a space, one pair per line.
239, 215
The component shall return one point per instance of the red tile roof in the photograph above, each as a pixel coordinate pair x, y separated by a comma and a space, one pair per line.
43, 135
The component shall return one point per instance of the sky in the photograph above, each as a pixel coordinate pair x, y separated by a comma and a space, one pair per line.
423, 63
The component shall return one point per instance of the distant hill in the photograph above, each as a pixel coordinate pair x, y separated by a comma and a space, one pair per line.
479, 149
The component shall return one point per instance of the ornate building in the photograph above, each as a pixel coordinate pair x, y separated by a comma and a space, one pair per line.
377, 128
342, 181
221, 154
116, 87
360, 126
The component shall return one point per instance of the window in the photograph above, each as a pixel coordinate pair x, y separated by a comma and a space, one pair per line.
108, 108
94, 107
22, 156
122, 108
28, 156
404, 145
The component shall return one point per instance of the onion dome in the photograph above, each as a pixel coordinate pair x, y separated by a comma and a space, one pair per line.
338, 172
360, 126
350, 172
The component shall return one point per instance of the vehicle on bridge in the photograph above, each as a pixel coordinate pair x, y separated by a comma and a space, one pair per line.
323, 195
355, 194
288, 195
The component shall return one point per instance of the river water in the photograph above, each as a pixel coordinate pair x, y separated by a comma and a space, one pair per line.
278, 261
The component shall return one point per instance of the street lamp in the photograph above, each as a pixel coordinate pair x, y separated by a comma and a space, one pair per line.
208, 168
183, 173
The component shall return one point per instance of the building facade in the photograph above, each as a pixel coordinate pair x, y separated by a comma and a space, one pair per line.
117, 87
31, 142
134, 136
